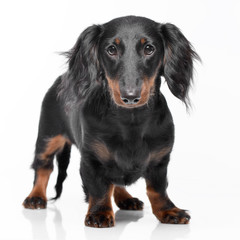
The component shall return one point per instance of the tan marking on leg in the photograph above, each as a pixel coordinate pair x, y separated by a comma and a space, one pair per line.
125, 201
164, 209
105, 201
155, 198
54, 144
100, 212
40, 186
120, 194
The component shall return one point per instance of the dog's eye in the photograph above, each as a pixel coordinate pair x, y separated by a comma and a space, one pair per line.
149, 50
112, 50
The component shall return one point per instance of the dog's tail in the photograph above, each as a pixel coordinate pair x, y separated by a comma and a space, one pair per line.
62, 160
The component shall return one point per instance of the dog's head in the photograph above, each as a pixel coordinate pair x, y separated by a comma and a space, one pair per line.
130, 54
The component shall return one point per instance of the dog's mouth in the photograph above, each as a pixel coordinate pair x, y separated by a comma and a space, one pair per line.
131, 100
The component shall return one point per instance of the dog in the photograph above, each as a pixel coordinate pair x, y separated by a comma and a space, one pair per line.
109, 104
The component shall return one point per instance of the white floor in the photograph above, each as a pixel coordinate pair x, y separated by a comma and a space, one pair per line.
214, 210
65, 220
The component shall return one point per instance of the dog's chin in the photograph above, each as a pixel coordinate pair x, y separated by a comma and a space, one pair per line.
132, 106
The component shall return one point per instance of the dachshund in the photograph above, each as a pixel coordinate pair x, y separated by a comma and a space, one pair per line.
108, 103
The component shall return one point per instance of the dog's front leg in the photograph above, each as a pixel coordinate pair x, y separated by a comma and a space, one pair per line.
98, 194
162, 206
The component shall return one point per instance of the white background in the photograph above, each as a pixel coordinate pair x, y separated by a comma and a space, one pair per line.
204, 171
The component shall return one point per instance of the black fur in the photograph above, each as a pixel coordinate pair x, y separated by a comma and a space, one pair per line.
178, 67
83, 105
63, 161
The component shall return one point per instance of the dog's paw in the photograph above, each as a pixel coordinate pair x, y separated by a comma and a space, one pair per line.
173, 216
130, 204
100, 220
35, 203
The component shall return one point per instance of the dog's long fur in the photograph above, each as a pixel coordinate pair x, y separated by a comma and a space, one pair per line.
109, 105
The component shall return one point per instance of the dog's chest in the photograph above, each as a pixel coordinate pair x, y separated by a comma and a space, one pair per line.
128, 154
123, 143
127, 162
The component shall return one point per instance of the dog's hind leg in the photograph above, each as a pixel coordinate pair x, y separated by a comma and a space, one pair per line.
43, 166
52, 140
125, 201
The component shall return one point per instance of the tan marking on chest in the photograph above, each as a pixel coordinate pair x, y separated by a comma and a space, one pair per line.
101, 150
158, 155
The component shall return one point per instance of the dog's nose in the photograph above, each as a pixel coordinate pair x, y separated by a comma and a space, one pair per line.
130, 99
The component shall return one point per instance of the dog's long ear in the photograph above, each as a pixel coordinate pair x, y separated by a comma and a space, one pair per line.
177, 61
83, 59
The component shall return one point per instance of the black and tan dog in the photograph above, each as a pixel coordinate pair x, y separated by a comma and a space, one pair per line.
109, 105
